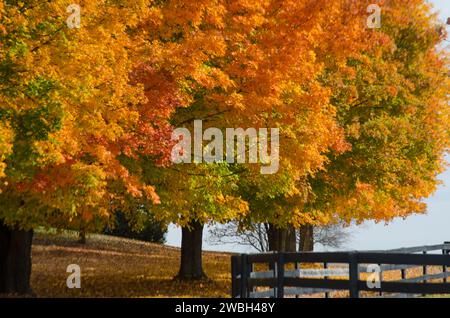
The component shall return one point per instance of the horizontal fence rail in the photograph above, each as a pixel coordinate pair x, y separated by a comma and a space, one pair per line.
285, 275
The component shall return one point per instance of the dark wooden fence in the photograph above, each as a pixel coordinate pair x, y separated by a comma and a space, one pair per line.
286, 276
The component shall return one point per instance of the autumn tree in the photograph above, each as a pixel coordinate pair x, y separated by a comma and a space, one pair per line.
251, 64
393, 105
69, 106
305, 113
376, 89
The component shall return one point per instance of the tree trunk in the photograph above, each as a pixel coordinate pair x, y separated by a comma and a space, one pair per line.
82, 232
306, 238
191, 267
15, 260
281, 240
277, 238
82, 237
291, 240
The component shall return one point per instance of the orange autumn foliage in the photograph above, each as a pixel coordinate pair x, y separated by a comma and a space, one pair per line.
87, 113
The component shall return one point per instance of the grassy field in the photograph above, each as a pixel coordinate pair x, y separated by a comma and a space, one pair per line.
116, 267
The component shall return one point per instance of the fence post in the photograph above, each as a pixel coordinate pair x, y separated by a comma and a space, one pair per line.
250, 268
325, 266
244, 276
234, 274
425, 272
353, 275
444, 268
274, 265
403, 274
297, 268
280, 275
381, 279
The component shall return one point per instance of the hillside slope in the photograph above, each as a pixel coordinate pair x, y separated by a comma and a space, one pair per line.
116, 267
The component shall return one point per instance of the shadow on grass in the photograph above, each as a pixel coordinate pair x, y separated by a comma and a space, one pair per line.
112, 267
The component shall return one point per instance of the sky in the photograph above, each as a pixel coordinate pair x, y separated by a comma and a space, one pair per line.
431, 228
